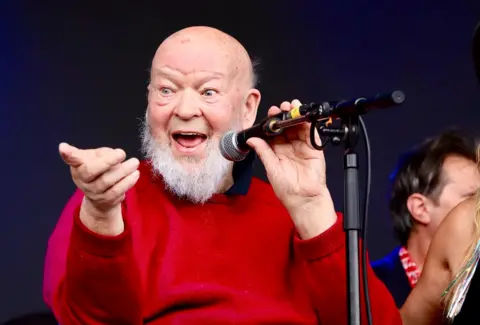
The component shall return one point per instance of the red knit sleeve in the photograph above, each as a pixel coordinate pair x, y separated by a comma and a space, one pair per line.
325, 256
88, 278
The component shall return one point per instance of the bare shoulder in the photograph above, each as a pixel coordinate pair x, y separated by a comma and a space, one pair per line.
444, 258
461, 218
455, 233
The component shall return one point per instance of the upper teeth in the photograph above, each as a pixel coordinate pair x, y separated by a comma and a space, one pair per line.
185, 133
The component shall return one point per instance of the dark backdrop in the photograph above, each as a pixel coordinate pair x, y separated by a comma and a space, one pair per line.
78, 73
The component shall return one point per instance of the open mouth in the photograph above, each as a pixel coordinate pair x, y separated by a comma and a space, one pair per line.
189, 139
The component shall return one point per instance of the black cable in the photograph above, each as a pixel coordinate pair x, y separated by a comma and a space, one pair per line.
365, 219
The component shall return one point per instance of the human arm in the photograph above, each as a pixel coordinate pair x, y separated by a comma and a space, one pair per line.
326, 270
445, 256
90, 278
296, 171
91, 275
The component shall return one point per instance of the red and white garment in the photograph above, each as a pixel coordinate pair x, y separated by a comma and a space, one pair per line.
409, 265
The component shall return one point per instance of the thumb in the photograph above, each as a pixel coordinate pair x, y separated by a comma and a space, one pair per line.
265, 153
69, 154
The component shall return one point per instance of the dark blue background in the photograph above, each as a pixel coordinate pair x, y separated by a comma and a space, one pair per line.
78, 73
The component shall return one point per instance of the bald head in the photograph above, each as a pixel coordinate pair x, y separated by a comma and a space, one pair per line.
217, 45
201, 87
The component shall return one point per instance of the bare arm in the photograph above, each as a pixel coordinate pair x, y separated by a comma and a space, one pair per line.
445, 256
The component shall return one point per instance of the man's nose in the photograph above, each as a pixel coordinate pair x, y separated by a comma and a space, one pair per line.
188, 106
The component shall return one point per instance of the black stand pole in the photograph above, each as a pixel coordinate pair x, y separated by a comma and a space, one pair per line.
349, 114
352, 221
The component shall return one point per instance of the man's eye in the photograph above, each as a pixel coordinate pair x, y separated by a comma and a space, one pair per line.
209, 93
165, 91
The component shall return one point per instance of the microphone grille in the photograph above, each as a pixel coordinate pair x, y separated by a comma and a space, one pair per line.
229, 148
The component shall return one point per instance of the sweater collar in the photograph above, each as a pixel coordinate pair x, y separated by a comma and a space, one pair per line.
242, 175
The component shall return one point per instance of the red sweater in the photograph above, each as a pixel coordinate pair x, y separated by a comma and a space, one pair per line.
234, 260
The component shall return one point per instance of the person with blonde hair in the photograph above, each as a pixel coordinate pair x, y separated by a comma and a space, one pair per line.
449, 287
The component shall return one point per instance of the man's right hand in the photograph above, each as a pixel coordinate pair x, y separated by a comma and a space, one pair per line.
104, 178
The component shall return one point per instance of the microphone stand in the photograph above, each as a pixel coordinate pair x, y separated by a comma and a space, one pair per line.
348, 112
352, 223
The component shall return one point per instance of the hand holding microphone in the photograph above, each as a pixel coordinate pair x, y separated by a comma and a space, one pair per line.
296, 172
104, 178
295, 169
234, 147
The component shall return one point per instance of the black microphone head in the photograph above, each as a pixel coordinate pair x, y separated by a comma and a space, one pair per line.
229, 147
476, 51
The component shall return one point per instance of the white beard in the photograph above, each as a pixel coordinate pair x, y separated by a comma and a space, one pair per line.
196, 184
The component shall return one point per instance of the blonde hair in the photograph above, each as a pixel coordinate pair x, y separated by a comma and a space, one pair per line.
455, 285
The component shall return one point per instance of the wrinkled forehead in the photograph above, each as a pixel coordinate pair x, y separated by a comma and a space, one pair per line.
194, 57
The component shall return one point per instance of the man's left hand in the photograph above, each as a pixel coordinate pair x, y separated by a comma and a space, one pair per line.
296, 172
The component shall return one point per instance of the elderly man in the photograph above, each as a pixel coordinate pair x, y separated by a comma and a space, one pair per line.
187, 237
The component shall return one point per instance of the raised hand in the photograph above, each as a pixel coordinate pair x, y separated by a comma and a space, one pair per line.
104, 178
297, 174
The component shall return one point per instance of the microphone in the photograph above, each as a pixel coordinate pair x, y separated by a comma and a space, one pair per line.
234, 147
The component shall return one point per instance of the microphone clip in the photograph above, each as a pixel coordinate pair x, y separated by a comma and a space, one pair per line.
329, 134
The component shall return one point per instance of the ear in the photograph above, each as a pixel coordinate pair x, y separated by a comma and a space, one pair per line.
250, 107
417, 204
